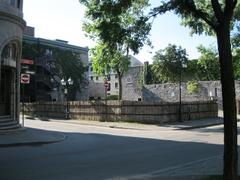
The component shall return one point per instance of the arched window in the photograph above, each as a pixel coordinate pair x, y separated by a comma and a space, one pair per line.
18, 4
10, 51
13, 3
6, 52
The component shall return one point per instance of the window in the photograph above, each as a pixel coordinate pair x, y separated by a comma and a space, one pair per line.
109, 87
12, 2
91, 78
91, 68
108, 77
116, 76
96, 77
91, 98
116, 85
18, 4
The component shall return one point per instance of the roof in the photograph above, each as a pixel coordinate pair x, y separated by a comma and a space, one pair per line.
54, 43
135, 62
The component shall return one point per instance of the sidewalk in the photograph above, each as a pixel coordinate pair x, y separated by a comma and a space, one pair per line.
29, 136
199, 123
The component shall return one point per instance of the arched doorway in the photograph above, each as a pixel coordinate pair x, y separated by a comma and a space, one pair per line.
8, 82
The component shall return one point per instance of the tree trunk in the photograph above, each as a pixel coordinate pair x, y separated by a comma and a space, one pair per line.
120, 86
229, 103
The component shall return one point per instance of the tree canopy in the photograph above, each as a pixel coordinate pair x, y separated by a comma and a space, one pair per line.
118, 27
169, 63
215, 17
208, 64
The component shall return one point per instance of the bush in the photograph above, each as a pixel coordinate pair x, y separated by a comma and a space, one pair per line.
192, 87
112, 97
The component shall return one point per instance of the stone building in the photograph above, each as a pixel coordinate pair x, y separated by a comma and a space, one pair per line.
12, 26
96, 82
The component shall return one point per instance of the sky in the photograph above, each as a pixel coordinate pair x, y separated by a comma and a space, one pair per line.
62, 19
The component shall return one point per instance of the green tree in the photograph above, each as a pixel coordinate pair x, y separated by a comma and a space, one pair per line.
168, 63
66, 64
236, 63
208, 63
193, 71
215, 17
236, 52
118, 27
105, 61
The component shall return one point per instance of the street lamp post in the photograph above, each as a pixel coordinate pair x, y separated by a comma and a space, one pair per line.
66, 85
180, 91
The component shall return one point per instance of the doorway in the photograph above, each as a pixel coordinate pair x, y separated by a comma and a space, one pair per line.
5, 92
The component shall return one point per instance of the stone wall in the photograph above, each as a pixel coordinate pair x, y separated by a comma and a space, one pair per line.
96, 90
169, 92
144, 112
132, 84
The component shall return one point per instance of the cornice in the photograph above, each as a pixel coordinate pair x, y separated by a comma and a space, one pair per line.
12, 18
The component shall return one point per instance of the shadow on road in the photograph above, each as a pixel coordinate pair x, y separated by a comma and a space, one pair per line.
99, 156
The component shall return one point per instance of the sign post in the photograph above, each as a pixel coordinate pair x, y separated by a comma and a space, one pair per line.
25, 79
106, 88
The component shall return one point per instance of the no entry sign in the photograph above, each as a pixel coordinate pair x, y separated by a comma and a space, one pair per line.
25, 78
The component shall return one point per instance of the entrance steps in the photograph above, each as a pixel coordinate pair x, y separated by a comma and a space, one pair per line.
8, 123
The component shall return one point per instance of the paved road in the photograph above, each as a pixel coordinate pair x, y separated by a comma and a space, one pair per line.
92, 152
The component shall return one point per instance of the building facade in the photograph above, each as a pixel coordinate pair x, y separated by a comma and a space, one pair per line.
46, 70
12, 26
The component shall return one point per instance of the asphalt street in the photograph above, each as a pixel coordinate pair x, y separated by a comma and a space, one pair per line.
92, 152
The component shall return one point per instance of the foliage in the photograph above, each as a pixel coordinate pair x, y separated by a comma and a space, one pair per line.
63, 63
148, 75
112, 97
120, 25
208, 64
201, 16
168, 64
117, 27
192, 87
215, 17
236, 52
70, 65
236, 63
104, 61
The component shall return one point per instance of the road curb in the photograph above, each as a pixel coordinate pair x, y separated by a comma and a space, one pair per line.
200, 126
40, 140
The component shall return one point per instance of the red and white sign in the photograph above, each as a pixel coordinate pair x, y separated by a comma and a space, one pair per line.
106, 83
25, 78
27, 61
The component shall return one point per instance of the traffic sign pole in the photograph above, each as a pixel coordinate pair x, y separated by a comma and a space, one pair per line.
23, 105
25, 79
